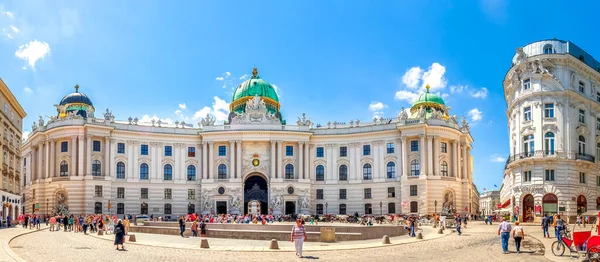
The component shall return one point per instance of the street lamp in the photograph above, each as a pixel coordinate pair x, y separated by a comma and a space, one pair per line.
47, 210
435, 206
326, 205
380, 208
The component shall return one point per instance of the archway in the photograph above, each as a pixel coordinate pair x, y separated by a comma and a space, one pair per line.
221, 207
528, 206
256, 196
290, 207
581, 204
550, 204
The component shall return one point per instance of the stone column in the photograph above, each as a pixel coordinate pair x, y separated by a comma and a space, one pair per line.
211, 159
436, 154
153, 161
52, 154
301, 160
184, 157
200, 167
204, 160
136, 165
351, 159
106, 165
73, 164
88, 158
423, 160
130, 161
32, 164
273, 160
454, 158
111, 160
307, 160
40, 152
232, 152
468, 162
46, 158
464, 160
376, 160
329, 154
279, 173
429, 155
238, 155
401, 157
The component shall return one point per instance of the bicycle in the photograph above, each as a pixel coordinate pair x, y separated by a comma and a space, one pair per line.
559, 246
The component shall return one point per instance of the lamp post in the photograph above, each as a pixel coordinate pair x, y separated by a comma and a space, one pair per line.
326, 205
47, 210
380, 208
435, 207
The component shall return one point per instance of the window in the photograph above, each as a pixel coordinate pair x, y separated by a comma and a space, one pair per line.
191, 208
366, 150
320, 209
64, 146
168, 151
413, 190
144, 208
414, 207
222, 171
342, 194
343, 151
168, 209
391, 208
390, 148
527, 113
6, 109
367, 193
367, 172
191, 151
98, 191
343, 173
581, 145
414, 145
444, 168
98, 208
581, 177
549, 143
120, 148
391, 192
549, 175
414, 168
549, 110
120, 209
597, 180
391, 170
64, 168
168, 172
120, 170
191, 194
526, 176
222, 150
289, 150
597, 123
320, 152
548, 49
320, 170
289, 171
144, 171
144, 193
526, 84
191, 173
581, 87
120, 192
96, 168
528, 145
168, 193
444, 147
342, 209
144, 149
368, 209
319, 193
581, 116
96, 146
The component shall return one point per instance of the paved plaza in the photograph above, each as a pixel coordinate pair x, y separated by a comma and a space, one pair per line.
478, 243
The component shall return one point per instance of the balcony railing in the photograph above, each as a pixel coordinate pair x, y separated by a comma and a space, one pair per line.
549, 153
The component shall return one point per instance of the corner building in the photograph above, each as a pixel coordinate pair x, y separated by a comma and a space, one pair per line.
553, 100
255, 162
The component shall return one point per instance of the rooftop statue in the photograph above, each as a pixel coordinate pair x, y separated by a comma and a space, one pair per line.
403, 115
41, 121
304, 121
207, 121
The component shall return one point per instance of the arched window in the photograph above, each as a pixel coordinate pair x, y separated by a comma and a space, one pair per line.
581, 204
320, 209
120, 208
168, 172
444, 168
191, 208
144, 208
550, 204
549, 143
367, 172
391, 170
289, 171
343, 173
581, 145
581, 58
320, 173
191, 173
548, 49
222, 171
414, 168
528, 145
414, 207
598, 203
64, 168
96, 168
597, 151
98, 208
368, 209
144, 171
121, 170
168, 209
342, 210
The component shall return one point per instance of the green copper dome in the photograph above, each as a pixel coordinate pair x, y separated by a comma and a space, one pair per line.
255, 86
427, 99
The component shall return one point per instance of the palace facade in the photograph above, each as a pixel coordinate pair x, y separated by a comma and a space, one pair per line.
255, 162
553, 101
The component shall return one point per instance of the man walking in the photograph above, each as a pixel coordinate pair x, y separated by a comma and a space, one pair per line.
8, 220
458, 221
504, 233
545, 223
181, 226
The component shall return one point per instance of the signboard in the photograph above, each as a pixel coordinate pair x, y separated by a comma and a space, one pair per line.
499, 206
538, 210
516, 209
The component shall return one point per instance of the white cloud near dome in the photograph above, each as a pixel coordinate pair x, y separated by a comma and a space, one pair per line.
412, 77
407, 96
28, 90
32, 52
497, 158
434, 77
219, 109
415, 79
9, 14
14, 29
182, 106
458, 89
244, 76
482, 93
220, 78
148, 119
377, 108
25, 135
475, 115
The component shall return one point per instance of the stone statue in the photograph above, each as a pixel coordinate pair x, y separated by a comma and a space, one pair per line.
328, 124
453, 118
207, 121
357, 122
176, 123
573, 79
464, 123
422, 112
521, 56
34, 126
304, 202
159, 122
448, 205
130, 119
276, 201
108, 115
153, 122
235, 202
543, 69
41, 121
304, 121
403, 115
182, 124
135, 121
206, 200
534, 67
351, 123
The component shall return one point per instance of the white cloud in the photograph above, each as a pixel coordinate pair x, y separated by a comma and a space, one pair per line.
219, 109
434, 77
14, 29
482, 93
220, 78
182, 106
9, 14
148, 119
32, 52
244, 77
457, 89
497, 158
475, 115
25, 135
406, 96
416, 79
412, 77
377, 108
28, 90
228, 74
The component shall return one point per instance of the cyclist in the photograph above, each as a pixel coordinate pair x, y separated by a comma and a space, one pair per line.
560, 226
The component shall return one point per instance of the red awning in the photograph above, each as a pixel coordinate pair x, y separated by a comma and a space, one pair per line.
505, 204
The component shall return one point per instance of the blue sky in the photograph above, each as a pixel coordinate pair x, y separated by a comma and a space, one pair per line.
334, 60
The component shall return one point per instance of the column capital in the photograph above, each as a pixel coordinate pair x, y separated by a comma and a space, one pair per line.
204, 142
403, 139
422, 136
238, 141
89, 137
232, 142
112, 139
107, 138
273, 142
210, 143
300, 143
279, 142
51, 140
454, 142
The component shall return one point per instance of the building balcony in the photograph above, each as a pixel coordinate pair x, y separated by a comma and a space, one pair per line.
569, 155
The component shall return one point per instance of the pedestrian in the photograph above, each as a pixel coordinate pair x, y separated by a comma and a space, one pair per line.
545, 223
413, 223
298, 237
504, 232
126, 225
202, 229
518, 234
194, 229
181, 226
458, 224
560, 223
8, 220
120, 235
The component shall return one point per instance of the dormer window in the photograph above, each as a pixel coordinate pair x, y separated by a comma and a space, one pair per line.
526, 84
581, 58
548, 49
581, 87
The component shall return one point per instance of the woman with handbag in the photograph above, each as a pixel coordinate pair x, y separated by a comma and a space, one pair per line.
518, 234
120, 235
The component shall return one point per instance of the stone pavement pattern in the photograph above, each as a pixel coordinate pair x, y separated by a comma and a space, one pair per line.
478, 243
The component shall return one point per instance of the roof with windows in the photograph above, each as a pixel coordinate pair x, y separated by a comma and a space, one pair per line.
556, 46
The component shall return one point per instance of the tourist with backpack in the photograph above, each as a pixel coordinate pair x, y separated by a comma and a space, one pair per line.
518, 235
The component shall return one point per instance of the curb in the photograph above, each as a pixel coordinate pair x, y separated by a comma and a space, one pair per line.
11, 254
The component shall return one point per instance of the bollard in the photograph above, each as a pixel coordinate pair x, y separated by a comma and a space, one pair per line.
440, 231
204, 243
132, 238
273, 244
419, 235
100, 232
386, 240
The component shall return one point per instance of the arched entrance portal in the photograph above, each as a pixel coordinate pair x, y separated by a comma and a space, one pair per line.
528, 208
290, 207
581, 204
256, 196
550, 204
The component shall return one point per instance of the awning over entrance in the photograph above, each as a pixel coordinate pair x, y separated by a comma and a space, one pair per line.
505, 204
